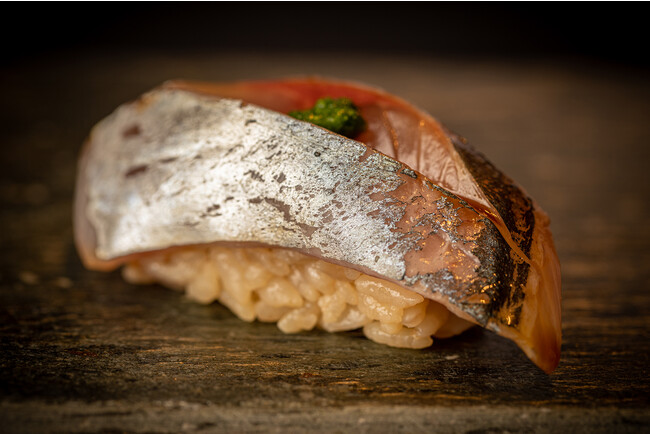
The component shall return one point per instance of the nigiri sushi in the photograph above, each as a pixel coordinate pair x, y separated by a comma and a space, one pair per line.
403, 230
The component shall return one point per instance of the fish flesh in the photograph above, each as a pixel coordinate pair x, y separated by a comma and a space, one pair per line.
406, 231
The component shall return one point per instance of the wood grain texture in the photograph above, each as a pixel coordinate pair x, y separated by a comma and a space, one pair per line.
84, 351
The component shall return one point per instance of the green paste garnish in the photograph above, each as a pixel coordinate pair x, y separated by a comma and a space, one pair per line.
338, 115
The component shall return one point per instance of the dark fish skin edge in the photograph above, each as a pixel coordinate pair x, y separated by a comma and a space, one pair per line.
515, 208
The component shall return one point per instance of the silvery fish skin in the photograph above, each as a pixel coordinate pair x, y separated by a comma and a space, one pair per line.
179, 168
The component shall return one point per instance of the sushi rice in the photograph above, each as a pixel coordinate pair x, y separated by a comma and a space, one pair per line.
299, 293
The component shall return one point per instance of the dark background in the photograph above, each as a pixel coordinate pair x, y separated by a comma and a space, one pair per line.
570, 31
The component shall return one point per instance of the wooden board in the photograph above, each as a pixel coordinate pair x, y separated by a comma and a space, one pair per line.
85, 352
